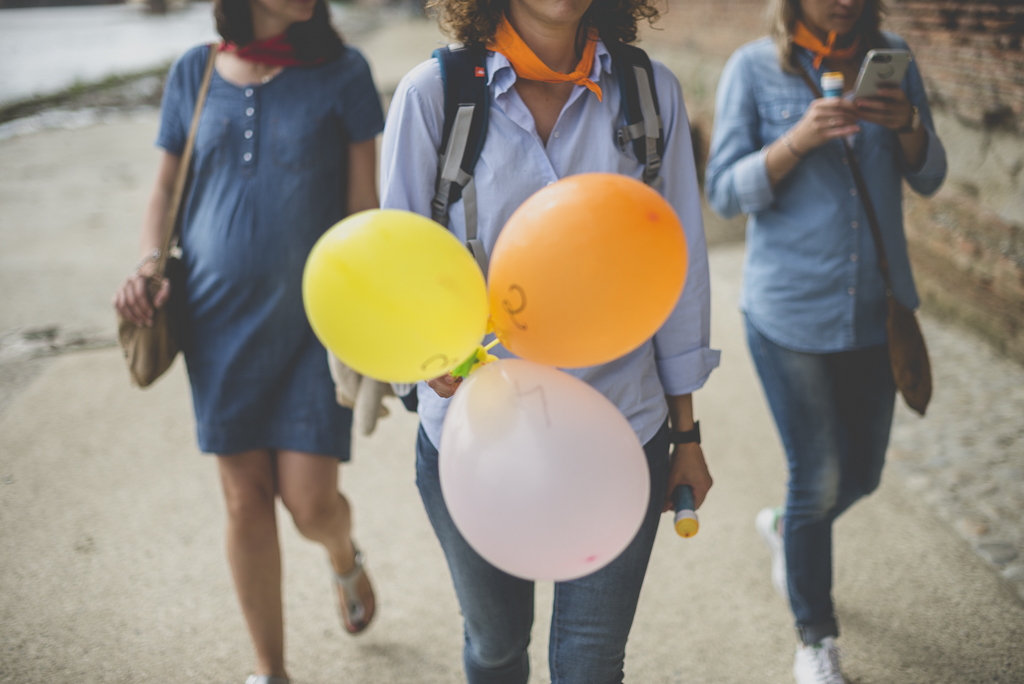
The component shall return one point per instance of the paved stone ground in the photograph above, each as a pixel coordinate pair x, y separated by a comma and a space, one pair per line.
113, 567
966, 459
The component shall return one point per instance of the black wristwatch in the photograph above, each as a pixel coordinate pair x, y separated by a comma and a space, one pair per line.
688, 437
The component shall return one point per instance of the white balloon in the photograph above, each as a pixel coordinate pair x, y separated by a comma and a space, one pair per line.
542, 475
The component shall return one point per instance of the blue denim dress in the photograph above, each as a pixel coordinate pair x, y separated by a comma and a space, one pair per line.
268, 179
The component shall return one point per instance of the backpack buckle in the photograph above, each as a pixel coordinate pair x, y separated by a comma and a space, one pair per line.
621, 139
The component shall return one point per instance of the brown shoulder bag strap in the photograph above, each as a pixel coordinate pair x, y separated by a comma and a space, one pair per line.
865, 198
171, 225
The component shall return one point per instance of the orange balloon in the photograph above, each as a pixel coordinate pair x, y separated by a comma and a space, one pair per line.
586, 270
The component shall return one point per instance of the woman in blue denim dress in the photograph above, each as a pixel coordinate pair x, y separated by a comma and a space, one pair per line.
813, 296
285, 149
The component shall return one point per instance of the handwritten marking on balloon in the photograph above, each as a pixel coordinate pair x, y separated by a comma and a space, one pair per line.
442, 359
539, 391
513, 311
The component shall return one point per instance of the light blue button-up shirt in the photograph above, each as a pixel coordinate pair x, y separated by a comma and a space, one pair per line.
515, 163
811, 281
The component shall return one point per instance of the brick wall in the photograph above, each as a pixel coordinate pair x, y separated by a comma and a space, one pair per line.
971, 54
967, 244
714, 27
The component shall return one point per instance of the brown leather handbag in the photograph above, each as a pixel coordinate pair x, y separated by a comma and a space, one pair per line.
908, 354
150, 351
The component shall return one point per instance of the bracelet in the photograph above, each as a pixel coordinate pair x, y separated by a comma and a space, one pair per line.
152, 256
787, 140
914, 123
764, 158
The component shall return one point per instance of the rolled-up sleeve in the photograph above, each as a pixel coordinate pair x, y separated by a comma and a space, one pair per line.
736, 180
927, 179
682, 345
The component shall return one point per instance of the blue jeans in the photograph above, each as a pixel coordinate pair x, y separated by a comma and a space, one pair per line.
591, 616
833, 412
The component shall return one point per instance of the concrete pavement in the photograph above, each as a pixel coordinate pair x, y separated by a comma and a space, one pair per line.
112, 566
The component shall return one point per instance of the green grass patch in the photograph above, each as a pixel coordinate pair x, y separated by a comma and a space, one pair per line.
78, 94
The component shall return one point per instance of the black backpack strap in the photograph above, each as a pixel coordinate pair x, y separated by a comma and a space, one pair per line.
463, 72
640, 100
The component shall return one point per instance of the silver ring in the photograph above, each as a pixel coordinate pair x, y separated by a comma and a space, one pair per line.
832, 123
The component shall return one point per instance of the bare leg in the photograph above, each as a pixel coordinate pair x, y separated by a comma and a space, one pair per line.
249, 486
309, 489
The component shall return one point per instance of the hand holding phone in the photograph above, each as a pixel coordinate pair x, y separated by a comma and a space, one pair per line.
881, 68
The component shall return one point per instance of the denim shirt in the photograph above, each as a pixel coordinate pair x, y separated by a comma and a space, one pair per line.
811, 281
514, 163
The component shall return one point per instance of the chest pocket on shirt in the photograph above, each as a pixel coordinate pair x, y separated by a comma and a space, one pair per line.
778, 115
295, 143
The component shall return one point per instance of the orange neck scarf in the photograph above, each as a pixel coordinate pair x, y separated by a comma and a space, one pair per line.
803, 37
527, 65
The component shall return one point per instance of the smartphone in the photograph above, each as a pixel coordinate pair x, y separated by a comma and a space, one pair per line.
881, 68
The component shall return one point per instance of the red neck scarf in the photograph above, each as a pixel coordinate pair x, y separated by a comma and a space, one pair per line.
275, 51
527, 65
803, 37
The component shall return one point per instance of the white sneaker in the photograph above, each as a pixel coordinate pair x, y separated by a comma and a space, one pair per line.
767, 523
818, 664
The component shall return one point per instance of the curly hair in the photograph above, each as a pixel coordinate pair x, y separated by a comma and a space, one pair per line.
313, 39
781, 16
474, 22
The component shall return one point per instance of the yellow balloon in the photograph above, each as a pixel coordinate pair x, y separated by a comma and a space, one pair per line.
395, 296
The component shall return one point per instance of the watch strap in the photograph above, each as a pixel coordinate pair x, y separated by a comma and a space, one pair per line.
688, 437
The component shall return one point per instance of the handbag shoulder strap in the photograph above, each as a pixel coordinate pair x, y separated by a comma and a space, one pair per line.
865, 198
171, 226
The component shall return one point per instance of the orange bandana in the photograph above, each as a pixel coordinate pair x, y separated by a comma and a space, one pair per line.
527, 65
803, 37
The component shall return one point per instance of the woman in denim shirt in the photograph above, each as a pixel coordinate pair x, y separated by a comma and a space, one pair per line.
813, 296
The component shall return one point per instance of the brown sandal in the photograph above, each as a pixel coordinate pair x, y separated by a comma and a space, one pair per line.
354, 615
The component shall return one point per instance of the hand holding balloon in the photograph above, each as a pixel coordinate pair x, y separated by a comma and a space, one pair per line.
445, 386
478, 358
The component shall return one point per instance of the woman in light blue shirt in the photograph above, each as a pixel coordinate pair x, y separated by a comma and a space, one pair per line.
813, 296
539, 132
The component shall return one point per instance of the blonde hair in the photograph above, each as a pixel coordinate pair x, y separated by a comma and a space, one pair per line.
781, 16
